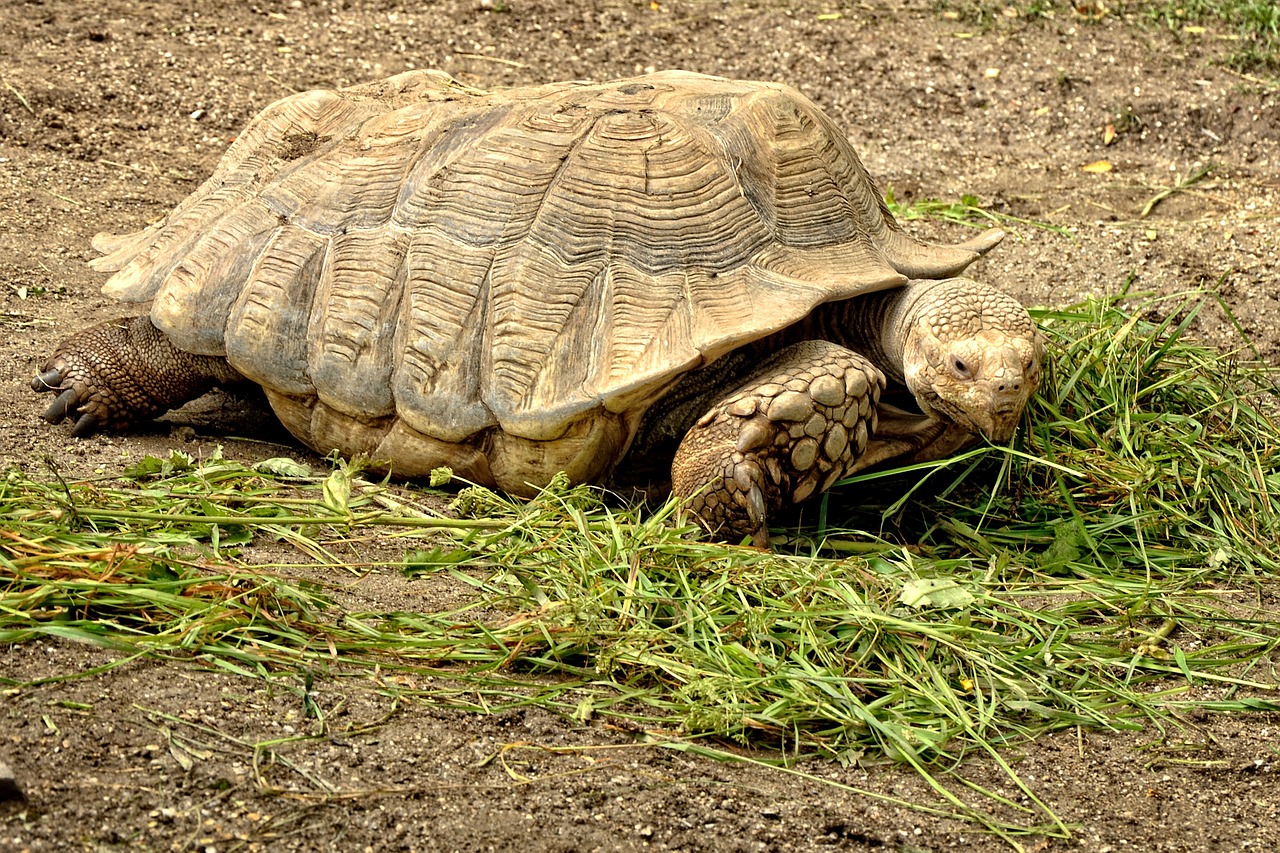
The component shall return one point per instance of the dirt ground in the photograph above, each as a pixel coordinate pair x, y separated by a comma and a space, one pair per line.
111, 112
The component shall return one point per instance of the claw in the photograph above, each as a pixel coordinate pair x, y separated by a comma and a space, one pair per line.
756, 513
61, 407
86, 426
50, 380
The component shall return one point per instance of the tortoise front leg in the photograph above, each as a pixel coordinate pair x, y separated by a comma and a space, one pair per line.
793, 428
124, 372
910, 438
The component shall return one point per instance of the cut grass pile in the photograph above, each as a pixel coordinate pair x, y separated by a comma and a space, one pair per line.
1118, 564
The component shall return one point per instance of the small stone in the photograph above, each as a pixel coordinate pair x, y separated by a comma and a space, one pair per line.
804, 454
790, 406
9, 790
827, 390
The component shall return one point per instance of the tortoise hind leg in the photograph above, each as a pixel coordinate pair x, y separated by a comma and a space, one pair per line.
789, 431
124, 372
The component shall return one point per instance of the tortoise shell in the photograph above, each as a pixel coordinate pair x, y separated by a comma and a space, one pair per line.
503, 282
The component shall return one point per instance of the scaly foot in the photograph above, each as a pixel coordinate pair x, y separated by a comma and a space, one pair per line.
789, 431
121, 373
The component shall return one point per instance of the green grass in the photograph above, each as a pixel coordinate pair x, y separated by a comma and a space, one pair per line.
987, 12
968, 210
1255, 23
1106, 571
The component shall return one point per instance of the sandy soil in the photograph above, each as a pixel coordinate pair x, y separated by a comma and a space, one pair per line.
111, 112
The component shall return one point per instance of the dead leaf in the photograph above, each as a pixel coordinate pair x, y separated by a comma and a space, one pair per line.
1109, 134
1097, 167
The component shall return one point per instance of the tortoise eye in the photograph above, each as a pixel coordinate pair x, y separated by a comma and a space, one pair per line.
960, 367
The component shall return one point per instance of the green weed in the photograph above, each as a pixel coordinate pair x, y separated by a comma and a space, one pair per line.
967, 211
1256, 24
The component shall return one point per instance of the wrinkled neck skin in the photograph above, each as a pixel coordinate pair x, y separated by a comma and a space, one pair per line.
875, 325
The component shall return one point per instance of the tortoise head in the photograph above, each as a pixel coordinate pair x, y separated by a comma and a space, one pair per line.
971, 355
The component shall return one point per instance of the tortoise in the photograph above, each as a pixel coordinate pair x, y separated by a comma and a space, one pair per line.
561, 278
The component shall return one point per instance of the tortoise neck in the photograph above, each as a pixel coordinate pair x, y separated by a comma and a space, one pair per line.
875, 324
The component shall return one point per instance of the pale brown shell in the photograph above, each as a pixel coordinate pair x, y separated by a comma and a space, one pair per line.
428, 273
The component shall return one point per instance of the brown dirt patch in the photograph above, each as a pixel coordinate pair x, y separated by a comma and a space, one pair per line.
111, 112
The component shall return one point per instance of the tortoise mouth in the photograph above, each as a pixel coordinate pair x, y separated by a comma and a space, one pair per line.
997, 426
1002, 430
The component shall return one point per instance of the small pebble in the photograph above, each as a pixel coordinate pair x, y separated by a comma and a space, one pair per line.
9, 790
